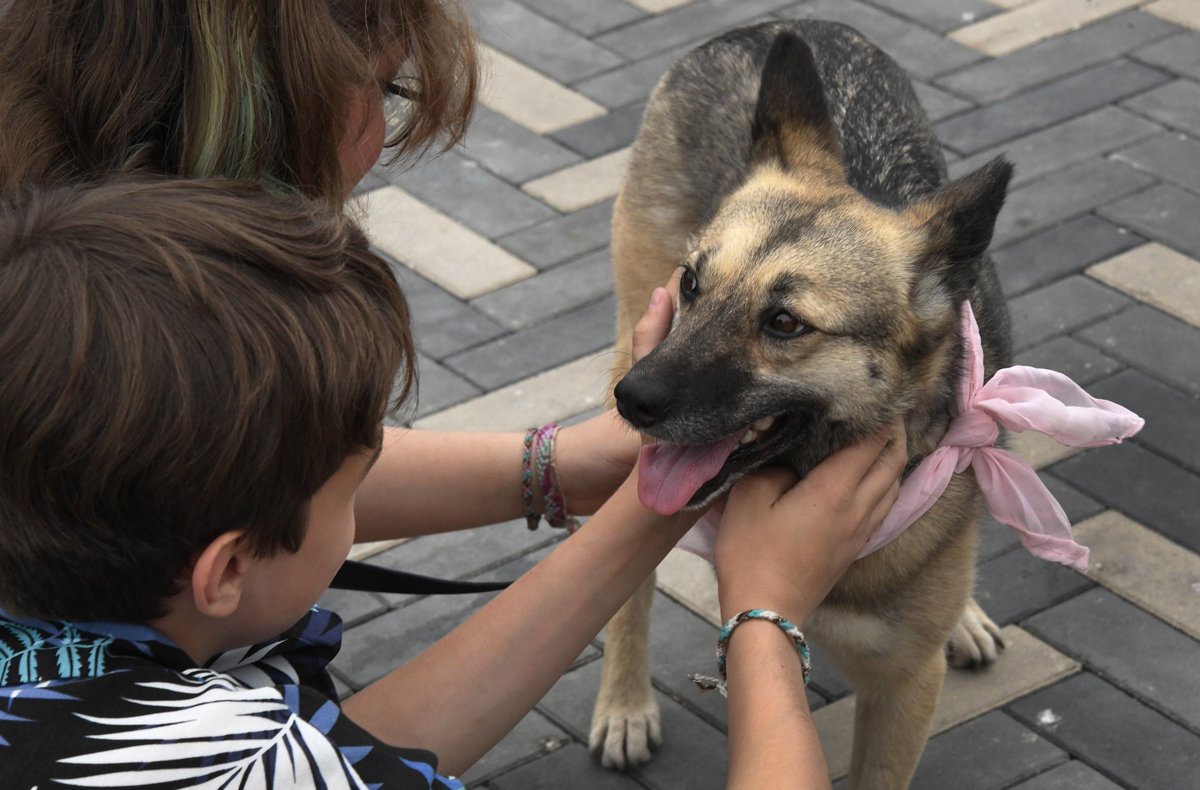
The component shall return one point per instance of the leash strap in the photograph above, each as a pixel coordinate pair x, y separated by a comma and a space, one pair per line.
361, 577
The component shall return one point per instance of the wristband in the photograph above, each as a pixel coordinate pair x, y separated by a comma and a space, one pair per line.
797, 636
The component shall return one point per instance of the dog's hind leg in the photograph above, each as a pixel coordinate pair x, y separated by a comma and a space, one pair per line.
896, 698
626, 725
975, 640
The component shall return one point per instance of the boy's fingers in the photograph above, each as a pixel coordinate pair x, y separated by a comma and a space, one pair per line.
854, 462
654, 325
770, 484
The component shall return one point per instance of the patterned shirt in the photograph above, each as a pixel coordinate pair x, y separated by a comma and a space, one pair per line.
119, 705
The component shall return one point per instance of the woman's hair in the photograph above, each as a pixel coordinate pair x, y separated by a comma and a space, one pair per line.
242, 89
177, 359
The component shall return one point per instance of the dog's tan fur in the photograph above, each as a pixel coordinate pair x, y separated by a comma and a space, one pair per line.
887, 622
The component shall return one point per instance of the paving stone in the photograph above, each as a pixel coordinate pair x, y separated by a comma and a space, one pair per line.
693, 754
443, 251
1160, 671
1061, 307
1172, 156
1094, 721
629, 83
1026, 664
576, 187
1151, 341
938, 103
1182, 12
564, 238
538, 42
693, 22
534, 736
1003, 752
1113, 37
510, 150
994, 538
1064, 194
1034, 22
1073, 775
1076, 140
1047, 105
1180, 54
533, 350
438, 389
1176, 104
1144, 567
1164, 213
551, 293
381, 644
937, 14
528, 97
442, 325
1066, 249
1017, 584
1039, 450
1156, 275
691, 581
658, 6
920, 52
1079, 361
1077, 505
459, 188
465, 553
571, 765
1172, 418
561, 392
1141, 484
352, 606
587, 17
605, 134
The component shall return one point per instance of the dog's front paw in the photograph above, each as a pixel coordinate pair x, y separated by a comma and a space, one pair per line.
625, 737
975, 640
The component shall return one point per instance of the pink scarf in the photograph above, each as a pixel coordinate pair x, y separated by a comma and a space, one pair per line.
1019, 398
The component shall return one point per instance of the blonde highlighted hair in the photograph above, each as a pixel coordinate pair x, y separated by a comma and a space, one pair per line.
249, 90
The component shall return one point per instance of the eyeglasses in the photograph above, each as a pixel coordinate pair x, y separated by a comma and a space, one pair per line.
397, 103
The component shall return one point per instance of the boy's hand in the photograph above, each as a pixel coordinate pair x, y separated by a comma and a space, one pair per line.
782, 545
595, 456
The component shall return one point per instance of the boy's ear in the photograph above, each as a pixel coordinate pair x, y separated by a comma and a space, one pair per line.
218, 575
792, 127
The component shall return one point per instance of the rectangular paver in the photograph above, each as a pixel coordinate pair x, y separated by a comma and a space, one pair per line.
1165, 213
1185, 13
1137, 563
530, 98
1151, 341
1013, 753
581, 185
1063, 250
1172, 416
1156, 275
1034, 22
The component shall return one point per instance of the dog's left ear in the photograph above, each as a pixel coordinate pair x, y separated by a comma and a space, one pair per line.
792, 127
957, 222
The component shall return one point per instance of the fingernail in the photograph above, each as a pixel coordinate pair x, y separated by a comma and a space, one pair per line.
656, 298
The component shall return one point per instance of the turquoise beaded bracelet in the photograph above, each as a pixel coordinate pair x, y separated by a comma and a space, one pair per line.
788, 627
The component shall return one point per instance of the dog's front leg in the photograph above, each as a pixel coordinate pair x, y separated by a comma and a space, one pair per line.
626, 725
895, 701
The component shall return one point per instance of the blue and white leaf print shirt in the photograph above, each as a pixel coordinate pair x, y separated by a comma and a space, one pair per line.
119, 705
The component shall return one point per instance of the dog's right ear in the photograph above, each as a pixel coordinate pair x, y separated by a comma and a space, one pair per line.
792, 127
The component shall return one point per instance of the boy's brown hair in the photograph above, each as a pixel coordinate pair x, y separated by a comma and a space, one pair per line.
251, 90
177, 359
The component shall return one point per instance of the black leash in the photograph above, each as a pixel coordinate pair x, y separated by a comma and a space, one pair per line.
361, 577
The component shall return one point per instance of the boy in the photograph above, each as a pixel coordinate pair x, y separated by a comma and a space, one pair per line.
194, 378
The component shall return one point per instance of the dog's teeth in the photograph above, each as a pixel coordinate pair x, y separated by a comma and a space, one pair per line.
763, 424
748, 437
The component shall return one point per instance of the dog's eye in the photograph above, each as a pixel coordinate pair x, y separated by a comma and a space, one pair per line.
689, 286
784, 324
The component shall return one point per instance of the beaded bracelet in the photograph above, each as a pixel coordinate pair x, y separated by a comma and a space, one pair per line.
709, 683
532, 517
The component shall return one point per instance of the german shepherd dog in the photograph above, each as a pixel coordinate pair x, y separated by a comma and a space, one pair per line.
790, 170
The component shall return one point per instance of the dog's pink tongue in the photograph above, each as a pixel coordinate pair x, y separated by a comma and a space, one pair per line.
671, 474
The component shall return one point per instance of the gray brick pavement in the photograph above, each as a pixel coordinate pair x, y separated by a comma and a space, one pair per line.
1102, 121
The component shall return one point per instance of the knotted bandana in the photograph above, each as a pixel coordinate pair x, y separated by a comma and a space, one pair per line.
1020, 398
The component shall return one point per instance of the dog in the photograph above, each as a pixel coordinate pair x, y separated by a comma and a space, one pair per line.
790, 170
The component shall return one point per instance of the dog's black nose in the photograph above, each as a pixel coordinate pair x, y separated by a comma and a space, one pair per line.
642, 402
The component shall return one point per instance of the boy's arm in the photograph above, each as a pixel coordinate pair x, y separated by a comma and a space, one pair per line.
460, 697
